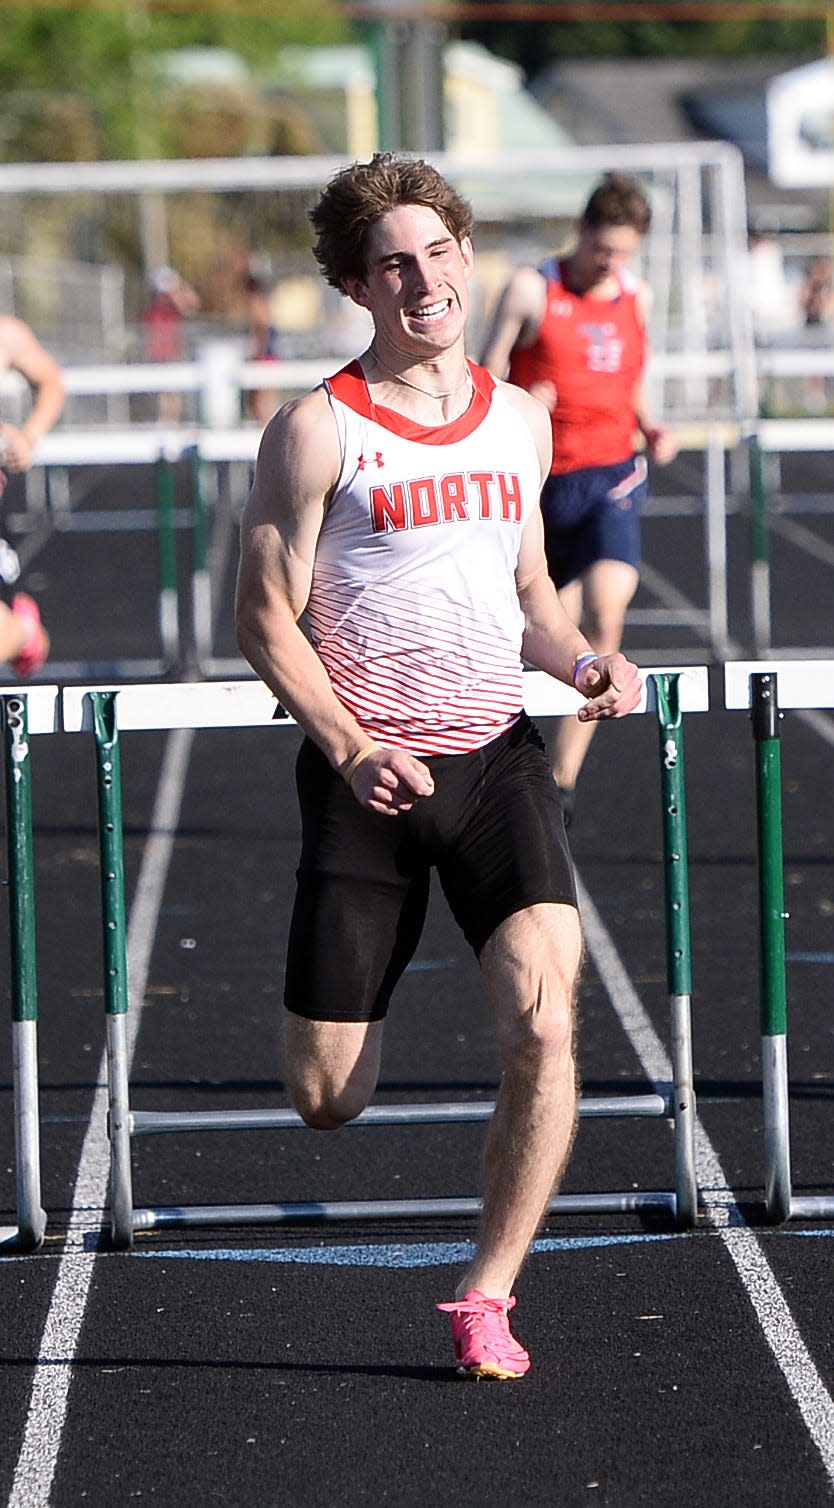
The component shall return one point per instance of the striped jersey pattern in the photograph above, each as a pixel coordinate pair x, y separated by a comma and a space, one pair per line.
413, 607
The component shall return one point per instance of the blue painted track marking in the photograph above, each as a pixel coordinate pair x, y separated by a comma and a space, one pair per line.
421, 1254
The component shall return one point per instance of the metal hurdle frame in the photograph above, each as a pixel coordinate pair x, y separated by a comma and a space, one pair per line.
766, 688
162, 449
24, 713
109, 711
769, 441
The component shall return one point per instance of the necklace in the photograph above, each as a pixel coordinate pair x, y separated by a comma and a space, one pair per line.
427, 392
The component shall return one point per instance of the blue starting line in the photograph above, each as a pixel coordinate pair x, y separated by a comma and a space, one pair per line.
401, 1255
419, 1254
427, 1253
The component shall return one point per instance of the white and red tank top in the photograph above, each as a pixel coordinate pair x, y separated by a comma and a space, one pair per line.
593, 350
413, 606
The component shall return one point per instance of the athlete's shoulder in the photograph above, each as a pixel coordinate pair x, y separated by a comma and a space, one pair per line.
525, 291
551, 270
533, 414
16, 341
638, 290
302, 437
349, 386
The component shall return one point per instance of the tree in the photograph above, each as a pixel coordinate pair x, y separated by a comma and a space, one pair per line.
536, 43
111, 52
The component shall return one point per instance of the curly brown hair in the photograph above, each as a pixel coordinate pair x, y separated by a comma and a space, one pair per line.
358, 196
618, 200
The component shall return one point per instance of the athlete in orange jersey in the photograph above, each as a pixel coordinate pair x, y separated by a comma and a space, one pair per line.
573, 333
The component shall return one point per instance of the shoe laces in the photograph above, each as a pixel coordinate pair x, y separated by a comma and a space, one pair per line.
470, 1309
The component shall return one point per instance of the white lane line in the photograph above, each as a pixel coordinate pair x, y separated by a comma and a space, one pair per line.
758, 1280
821, 723
803, 538
36, 1463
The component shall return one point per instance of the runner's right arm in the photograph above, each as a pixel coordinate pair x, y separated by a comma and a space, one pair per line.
297, 468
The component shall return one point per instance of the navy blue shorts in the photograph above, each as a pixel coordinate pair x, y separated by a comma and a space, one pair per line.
494, 831
591, 515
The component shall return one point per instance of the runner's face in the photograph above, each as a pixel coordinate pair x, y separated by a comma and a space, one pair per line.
604, 250
416, 286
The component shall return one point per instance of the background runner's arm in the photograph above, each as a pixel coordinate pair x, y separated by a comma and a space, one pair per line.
516, 320
661, 442
23, 352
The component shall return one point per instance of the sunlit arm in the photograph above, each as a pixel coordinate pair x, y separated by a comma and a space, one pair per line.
551, 641
296, 470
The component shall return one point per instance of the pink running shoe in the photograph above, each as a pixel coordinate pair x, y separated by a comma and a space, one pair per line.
36, 646
484, 1345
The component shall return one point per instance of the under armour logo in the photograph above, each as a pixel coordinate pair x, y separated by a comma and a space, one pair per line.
375, 459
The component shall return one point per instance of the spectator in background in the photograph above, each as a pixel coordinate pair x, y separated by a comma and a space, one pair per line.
816, 302
264, 345
573, 333
24, 642
772, 301
816, 295
173, 301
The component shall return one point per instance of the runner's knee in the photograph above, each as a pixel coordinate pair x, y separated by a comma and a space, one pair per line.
537, 1038
325, 1107
532, 969
330, 1069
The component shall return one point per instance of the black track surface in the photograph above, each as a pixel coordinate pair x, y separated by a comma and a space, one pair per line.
305, 1364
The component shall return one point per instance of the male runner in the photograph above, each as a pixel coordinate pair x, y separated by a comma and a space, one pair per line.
573, 333
396, 505
24, 642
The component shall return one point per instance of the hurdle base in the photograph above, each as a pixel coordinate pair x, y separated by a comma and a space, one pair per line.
811, 1207
158, 1122
25, 1237
632, 1201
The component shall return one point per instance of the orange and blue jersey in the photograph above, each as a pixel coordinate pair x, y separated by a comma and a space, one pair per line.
593, 351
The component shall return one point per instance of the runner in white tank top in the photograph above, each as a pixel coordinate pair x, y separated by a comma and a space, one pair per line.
394, 509
413, 607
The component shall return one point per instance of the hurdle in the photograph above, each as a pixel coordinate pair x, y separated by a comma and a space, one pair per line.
108, 712
765, 689
34, 710
770, 440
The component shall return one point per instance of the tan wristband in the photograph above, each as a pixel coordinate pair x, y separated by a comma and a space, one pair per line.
353, 764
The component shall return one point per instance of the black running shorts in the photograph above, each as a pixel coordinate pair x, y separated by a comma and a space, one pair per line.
494, 831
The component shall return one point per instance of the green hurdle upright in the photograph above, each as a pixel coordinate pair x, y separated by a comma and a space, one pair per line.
114, 946
678, 939
31, 1219
169, 623
107, 711
759, 686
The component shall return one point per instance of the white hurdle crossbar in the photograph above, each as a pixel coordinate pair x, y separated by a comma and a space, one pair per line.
108, 711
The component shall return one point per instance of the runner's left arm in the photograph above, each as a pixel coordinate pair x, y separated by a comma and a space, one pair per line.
551, 641
24, 353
